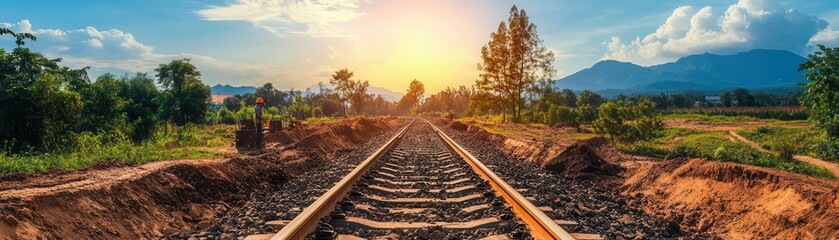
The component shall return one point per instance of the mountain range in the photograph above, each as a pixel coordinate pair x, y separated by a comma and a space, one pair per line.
755, 70
219, 89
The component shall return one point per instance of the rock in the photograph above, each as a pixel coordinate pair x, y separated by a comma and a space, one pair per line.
11, 221
438, 235
205, 224
458, 126
196, 212
169, 231
179, 216
673, 228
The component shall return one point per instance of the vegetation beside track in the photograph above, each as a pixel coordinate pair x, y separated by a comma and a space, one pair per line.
185, 142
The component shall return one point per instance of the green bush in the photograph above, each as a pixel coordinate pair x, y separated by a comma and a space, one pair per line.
563, 115
628, 121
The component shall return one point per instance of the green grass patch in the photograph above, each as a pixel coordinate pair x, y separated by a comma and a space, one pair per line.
188, 142
805, 141
717, 146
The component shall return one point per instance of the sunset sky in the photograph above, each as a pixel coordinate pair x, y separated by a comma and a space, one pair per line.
295, 44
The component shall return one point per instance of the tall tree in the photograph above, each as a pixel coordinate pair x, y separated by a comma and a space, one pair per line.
412, 98
513, 61
185, 98
358, 95
821, 99
343, 83
142, 106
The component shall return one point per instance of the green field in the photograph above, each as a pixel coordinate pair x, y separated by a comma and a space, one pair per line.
188, 142
675, 142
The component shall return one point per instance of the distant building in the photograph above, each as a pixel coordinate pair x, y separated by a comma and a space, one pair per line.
712, 99
219, 98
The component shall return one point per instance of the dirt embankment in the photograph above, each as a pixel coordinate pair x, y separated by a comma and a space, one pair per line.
730, 200
573, 160
159, 198
738, 201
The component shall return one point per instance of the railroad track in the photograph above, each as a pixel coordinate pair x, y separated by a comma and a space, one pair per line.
421, 184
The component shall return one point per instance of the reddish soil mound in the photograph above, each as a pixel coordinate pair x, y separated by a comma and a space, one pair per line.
159, 198
738, 201
342, 136
130, 202
458, 126
580, 160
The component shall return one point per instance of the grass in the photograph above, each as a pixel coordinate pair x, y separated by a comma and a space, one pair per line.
712, 119
773, 138
189, 142
492, 124
717, 146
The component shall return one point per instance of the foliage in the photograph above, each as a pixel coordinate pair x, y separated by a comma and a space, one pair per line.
821, 97
141, 105
185, 98
513, 61
47, 109
627, 121
564, 115
186, 142
412, 98
450, 99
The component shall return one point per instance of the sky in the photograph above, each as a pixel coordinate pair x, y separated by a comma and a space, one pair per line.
298, 43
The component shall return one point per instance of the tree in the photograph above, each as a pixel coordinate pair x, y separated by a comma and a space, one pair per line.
743, 98
569, 98
589, 98
821, 97
562, 114
271, 95
185, 98
513, 61
343, 83
23, 113
358, 95
412, 98
621, 120
141, 105
103, 106
725, 98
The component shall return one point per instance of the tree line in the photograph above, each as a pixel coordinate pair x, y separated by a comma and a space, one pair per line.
45, 107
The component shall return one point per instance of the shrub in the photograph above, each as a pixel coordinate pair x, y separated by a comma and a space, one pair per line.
627, 121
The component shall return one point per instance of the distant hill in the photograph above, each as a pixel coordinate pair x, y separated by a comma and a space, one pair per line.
756, 70
219, 89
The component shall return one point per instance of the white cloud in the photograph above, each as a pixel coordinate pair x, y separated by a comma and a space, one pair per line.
746, 25
311, 17
114, 50
827, 37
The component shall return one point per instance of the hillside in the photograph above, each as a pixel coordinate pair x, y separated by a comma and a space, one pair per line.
756, 69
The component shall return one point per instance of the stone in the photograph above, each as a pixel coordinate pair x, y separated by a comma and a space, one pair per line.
179, 216
205, 224
196, 212
11, 221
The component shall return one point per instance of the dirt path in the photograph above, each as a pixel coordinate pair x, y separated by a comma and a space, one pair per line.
832, 167
86, 179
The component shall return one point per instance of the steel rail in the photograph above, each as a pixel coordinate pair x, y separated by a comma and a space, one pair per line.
541, 226
307, 221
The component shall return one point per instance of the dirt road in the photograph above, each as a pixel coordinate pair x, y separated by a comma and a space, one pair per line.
833, 167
